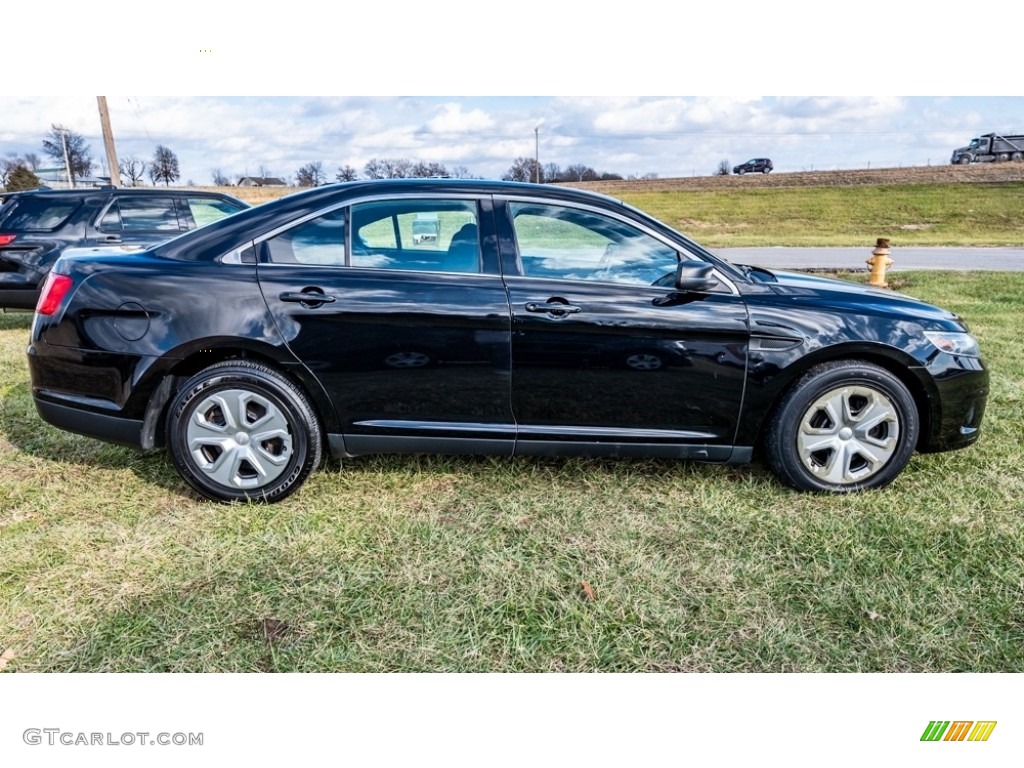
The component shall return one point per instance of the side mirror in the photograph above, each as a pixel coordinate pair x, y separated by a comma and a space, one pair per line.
695, 276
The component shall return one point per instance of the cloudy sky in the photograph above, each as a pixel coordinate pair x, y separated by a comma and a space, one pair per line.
396, 57
663, 135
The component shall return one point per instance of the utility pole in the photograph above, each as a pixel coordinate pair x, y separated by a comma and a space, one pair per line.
536, 154
67, 162
108, 142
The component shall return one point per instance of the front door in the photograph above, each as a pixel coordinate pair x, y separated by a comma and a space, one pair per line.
605, 350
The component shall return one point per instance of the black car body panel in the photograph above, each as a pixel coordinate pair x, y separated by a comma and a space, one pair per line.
37, 226
403, 344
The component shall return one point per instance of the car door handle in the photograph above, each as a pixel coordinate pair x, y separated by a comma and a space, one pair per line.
307, 298
112, 239
552, 308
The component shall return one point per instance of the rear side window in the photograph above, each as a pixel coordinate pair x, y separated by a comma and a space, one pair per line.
206, 210
138, 213
37, 213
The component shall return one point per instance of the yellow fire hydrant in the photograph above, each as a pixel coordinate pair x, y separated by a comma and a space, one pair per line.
879, 262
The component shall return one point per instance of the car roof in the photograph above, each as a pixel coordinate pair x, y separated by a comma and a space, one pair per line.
84, 191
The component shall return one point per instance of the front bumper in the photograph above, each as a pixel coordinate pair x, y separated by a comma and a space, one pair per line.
959, 407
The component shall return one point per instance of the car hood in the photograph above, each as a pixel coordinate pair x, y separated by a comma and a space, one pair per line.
853, 296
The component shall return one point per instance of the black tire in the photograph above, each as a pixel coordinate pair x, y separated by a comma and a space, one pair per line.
1002, 157
964, 160
766, 170
813, 448
241, 431
741, 171
1017, 157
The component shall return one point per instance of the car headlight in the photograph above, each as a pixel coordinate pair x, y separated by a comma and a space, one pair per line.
954, 343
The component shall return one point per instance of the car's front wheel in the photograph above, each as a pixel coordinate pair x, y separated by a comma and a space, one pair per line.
844, 426
741, 171
240, 430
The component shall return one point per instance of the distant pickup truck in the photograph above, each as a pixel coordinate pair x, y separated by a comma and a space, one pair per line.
990, 147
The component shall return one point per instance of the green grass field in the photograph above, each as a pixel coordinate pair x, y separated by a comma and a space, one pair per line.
907, 214
109, 563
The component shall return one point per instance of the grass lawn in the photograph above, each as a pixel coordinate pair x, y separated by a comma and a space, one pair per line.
109, 563
907, 214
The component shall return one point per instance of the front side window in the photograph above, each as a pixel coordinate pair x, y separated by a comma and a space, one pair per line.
569, 243
422, 235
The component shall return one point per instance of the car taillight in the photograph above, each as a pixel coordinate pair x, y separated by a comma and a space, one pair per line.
54, 290
6, 239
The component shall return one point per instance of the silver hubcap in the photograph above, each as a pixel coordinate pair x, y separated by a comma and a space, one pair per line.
407, 360
239, 439
848, 434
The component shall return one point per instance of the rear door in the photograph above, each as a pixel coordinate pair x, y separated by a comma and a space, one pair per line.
409, 335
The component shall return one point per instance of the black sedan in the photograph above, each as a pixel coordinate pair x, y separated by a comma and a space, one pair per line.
538, 320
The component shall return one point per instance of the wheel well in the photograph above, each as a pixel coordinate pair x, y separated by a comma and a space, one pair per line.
156, 409
911, 382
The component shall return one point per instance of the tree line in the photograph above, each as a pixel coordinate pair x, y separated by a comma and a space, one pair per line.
70, 150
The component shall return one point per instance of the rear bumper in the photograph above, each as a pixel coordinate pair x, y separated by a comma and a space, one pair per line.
102, 426
19, 298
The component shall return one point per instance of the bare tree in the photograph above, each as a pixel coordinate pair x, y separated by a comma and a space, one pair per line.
580, 172
460, 172
388, 168
263, 171
346, 173
310, 175
551, 172
79, 157
133, 169
219, 179
723, 168
397, 168
524, 169
165, 166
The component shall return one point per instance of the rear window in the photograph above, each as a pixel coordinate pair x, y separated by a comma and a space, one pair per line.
36, 213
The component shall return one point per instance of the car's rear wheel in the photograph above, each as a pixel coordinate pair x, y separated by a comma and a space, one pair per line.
240, 430
1017, 157
844, 426
765, 170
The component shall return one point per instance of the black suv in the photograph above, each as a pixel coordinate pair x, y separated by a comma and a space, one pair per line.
38, 225
762, 164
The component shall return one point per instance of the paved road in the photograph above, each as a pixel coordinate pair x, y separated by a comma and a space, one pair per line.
1003, 259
